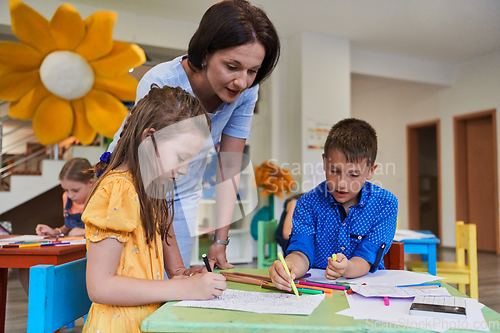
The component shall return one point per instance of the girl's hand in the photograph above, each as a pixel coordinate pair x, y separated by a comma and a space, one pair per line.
45, 230
336, 268
205, 286
217, 256
279, 276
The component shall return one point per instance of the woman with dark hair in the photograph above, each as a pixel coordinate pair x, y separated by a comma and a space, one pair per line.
234, 49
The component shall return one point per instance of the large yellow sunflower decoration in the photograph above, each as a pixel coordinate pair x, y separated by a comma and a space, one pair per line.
67, 74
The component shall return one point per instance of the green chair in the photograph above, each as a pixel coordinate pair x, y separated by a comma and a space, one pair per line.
266, 231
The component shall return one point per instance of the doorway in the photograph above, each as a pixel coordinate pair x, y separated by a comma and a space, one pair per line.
424, 196
476, 176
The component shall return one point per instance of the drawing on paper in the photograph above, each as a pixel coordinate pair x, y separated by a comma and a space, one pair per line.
259, 302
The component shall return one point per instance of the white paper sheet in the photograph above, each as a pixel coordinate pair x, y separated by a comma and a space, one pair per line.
24, 238
397, 315
381, 291
402, 234
392, 278
248, 301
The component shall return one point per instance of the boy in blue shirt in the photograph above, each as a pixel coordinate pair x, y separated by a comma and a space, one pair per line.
345, 215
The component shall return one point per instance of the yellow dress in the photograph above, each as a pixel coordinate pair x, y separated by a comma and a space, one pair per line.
114, 211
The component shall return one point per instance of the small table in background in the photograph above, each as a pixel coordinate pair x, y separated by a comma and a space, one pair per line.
27, 257
424, 246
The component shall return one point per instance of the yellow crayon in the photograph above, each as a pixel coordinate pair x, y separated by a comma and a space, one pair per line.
280, 256
334, 257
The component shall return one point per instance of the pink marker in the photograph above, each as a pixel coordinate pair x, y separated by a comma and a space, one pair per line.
386, 301
328, 286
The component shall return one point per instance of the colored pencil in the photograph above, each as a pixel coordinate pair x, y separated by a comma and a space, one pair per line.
310, 291
346, 285
280, 256
326, 286
266, 286
420, 285
328, 291
253, 276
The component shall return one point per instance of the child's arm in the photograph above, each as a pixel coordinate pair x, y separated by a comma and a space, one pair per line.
45, 230
349, 268
287, 225
104, 286
76, 232
297, 263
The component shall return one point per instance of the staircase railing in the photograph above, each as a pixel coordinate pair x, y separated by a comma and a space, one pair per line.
10, 160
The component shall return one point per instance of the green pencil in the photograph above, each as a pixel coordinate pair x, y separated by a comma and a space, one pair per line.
310, 291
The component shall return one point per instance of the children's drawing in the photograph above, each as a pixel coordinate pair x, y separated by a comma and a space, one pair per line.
381, 291
259, 302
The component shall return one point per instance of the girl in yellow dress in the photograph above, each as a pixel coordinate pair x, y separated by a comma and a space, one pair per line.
128, 220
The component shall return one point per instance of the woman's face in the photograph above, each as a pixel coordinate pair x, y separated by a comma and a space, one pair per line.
176, 153
230, 71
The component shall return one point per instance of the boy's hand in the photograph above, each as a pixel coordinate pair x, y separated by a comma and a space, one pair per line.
279, 276
206, 286
336, 268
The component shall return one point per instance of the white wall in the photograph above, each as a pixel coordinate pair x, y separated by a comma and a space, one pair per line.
390, 105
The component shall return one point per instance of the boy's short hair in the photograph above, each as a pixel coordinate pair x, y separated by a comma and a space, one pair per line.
355, 138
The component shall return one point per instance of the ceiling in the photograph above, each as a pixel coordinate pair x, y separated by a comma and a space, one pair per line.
433, 30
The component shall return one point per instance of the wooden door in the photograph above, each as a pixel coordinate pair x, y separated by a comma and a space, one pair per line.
424, 195
477, 180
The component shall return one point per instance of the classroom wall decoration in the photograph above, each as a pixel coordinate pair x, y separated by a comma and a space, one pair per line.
67, 74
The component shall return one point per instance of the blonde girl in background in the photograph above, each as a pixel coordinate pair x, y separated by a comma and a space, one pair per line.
128, 216
76, 186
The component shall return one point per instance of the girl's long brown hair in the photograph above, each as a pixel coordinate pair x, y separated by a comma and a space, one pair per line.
160, 108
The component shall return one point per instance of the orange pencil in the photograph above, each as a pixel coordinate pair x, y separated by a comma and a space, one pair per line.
30, 245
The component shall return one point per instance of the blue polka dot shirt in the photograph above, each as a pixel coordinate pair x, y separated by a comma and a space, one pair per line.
367, 231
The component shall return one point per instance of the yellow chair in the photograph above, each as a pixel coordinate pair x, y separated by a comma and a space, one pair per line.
458, 272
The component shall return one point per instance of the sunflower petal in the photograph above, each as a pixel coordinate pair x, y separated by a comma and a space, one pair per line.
98, 40
123, 87
18, 57
14, 85
105, 113
81, 128
67, 27
53, 120
24, 109
31, 27
122, 58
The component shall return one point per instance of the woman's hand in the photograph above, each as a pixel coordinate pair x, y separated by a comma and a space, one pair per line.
205, 286
45, 230
217, 257
183, 272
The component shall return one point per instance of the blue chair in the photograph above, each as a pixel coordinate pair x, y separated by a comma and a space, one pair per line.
58, 296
